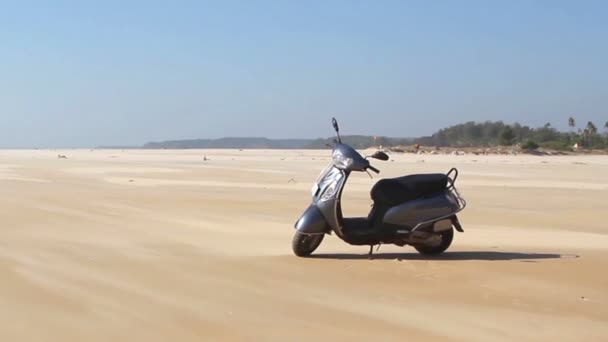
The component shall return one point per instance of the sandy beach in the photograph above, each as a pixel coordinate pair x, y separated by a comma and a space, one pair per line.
151, 245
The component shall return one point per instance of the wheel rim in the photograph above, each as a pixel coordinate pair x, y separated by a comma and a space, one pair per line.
434, 241
445, 238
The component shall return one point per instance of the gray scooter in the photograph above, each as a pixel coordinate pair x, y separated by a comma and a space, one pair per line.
418, 210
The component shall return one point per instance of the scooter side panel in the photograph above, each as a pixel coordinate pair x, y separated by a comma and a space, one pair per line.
312, 222
411, 213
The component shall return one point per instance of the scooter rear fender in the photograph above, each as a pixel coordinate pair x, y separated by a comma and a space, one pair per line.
312, 222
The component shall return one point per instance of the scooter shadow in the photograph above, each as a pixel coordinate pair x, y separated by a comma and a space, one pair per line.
456, 256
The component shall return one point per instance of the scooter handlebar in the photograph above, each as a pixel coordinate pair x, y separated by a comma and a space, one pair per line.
373, 169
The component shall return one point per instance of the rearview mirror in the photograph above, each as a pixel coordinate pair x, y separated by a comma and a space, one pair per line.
380, 156
334, 122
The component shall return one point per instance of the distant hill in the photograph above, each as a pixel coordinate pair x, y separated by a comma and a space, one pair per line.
231, 143
357, 141
361, 141
469, 134
118, 147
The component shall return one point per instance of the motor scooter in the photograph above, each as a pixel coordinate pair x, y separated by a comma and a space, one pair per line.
417, 210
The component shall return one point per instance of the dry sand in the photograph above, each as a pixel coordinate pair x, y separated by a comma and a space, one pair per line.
162, 246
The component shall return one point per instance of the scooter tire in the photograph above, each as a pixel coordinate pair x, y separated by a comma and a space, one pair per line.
446, 240
304, 244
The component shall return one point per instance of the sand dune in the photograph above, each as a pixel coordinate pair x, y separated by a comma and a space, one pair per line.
161, 245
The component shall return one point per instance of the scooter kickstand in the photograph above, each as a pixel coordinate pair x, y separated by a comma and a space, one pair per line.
371, 250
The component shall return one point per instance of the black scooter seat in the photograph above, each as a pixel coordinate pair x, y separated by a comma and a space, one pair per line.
394, 191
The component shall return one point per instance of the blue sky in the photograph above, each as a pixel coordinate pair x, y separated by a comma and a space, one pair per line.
87, 73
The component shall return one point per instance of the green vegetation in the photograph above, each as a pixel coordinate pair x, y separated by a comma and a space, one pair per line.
486, 134
507, 136
529, 145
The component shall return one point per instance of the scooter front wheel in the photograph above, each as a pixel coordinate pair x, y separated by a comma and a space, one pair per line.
446, 240
304, 244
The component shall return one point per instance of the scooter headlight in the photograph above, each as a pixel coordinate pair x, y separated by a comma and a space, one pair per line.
341, 161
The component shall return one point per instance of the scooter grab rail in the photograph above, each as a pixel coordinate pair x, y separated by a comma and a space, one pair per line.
459, 201
452, 180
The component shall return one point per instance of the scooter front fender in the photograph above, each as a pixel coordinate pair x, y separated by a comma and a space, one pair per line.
312, 222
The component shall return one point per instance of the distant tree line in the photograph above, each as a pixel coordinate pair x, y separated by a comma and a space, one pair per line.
485, 134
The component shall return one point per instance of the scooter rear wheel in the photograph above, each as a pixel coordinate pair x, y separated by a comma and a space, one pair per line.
446, 240
305, 244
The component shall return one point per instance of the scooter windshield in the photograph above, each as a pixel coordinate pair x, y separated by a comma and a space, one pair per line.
324, 173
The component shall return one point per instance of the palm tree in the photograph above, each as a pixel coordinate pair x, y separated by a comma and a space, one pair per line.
588, 134
591, 127
585, 138
572, 124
